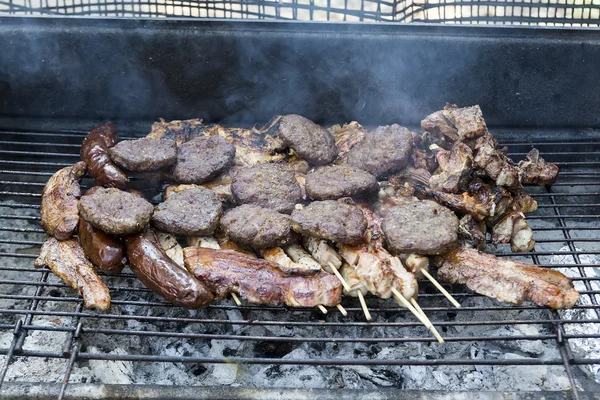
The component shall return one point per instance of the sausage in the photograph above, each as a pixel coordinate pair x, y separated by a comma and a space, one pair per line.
94, 151
163, 276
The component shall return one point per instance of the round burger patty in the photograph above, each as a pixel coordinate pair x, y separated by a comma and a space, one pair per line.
257, 227
422, 227
310, 141
267, 185
115, 211
203, 158
193, 212
144, 154
330, 219
336, 181
384, 151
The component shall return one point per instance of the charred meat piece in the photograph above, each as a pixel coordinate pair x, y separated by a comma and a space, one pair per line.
203, 158
384, 151
309, 141
144, 154
193, 212
479, 203
440, 131
58, 212
267, 185
472, 233
158, 272
455, 167
259, 281
180, 131
336, 181
507, 280
468, 121
423, 227
536, 171
332, 220
115, 212
94, 151
66, 259
257, 227
346, 137
494, 163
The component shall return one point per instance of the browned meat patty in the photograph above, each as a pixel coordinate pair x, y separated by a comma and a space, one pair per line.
190, 212
144, 154
115, 211
310, 141
267, 185
336, 181
384, 151
203, 158
257, 227
421, 227
330, 219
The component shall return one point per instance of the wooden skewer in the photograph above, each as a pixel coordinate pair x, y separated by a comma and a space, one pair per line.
236, 299
361, 298
432, 329
342, 310
406, 304
441, 288
339, 276
323, 309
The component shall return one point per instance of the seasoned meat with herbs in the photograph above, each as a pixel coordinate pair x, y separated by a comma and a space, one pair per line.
267, 185
468, 121
332, 220
257, 227
115, 211
203, 158
309, 141
337, 181
423, 227
58, 212
382, 152
144, 154
193, 212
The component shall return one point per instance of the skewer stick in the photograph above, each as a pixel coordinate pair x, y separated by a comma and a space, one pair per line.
342, 310
441, 288
323, 309
406, 304
433, 330
236, 299
339, 276
361, 298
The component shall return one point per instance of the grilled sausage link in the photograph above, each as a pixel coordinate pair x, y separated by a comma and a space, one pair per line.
94, 151
163, 276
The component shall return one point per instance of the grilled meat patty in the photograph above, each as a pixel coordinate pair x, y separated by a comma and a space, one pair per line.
115, 211
422, 227
382, 152
267, 185
257, 227
337, 181
309, 141
193, 211
330, 219
144, 154
203, 158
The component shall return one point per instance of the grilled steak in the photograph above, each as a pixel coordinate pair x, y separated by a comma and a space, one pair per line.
423, 227
267, 185
144, 154
382, 152
115, 211
58, 211
193, 212
94, 151
203, 158
336, 181
333, 220
468, 121
257, 227
309, 141
66, 259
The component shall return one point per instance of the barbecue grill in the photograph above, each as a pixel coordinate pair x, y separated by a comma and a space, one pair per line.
60, 77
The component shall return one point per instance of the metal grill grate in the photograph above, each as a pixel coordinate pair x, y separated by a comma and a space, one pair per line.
504, 12
34, 304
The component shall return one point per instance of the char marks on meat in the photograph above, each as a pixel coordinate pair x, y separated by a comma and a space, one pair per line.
472, 233
337, 181
309, 141
347, 136
440, 131
58, 212
94, 151
179, 130
203, 158
468, 121
536, 171
495, 164
455, 167
144, 154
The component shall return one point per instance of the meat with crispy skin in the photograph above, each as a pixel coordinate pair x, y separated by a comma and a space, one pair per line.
537, 171
66, 259
58, 212
507, 280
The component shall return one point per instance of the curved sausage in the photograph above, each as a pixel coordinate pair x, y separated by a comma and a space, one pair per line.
158, 272
94, 151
